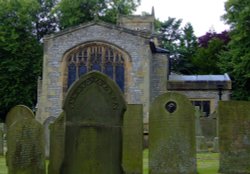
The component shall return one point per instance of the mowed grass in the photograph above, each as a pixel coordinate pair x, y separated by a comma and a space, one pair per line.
207, 163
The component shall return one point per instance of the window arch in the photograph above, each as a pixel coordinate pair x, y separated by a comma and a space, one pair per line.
99, 57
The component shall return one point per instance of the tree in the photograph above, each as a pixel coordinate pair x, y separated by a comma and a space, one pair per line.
207, 57
236, 60
74, 12
20, 54
181, 43
46, 21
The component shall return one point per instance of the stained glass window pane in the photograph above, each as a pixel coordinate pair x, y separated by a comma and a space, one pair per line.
109, 70
71, 74
96, 66
120, 76
82, 70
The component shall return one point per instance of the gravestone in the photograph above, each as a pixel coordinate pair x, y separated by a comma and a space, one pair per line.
94, 108
46, 125
133, 139
1, 139
57, 137
201, 145
25, 144
18, 112
172, 135
234, 137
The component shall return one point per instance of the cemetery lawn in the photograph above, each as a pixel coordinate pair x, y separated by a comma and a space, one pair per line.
207, 163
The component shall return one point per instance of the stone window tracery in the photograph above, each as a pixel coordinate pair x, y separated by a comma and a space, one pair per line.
98, 57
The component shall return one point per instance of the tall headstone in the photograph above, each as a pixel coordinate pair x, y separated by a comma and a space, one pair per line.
94, 108
1, 139
25, 144
57, 137
172, 135
234, 137
46, 125
133, 139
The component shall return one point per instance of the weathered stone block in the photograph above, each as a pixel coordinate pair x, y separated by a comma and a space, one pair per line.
57, 144
133, 139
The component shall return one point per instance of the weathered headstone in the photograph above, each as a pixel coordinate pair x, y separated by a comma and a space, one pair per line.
46, 125
18, 112
57, 137
234, 137
1, 139
133, 139
25, 144
172, 135
201, 145
94, 108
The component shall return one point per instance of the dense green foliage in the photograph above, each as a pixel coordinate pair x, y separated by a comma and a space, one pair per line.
236, 60
207, 56
181, 44
20, 54
74, 12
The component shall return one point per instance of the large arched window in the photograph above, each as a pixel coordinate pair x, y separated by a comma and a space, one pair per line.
99, 57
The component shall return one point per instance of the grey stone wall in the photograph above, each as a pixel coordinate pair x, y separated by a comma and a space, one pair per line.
134, 44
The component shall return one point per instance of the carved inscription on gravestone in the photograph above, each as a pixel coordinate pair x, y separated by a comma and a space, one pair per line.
172, 135
234, 136
25, 144
94, 109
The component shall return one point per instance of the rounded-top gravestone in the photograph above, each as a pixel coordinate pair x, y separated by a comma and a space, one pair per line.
18, 112
172, 135
94, 108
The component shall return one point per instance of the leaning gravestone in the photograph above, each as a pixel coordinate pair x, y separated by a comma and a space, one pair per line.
57, 136
46, 125
234, 137
94, 108
133, 139
172, 135
25, 144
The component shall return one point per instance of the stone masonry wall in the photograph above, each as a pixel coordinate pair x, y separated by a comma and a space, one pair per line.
135, 45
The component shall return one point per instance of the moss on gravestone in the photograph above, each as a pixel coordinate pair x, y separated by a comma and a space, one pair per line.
94, 108
234, 137
172, 135
133, 139
25, 144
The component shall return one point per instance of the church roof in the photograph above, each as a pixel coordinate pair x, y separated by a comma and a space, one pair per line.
139, 33
199, 82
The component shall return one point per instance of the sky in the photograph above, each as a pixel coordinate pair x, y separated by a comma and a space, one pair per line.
203, 15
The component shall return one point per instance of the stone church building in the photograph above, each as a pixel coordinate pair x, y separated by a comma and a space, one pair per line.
129, 54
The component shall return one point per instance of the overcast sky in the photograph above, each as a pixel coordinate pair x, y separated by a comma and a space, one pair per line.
202, 14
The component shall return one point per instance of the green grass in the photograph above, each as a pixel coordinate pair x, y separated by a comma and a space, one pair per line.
3, 168
207, 163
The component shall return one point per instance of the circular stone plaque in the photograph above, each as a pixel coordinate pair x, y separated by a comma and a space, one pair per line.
171, 106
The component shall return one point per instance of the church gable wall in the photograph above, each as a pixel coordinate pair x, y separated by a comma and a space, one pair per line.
56, 47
